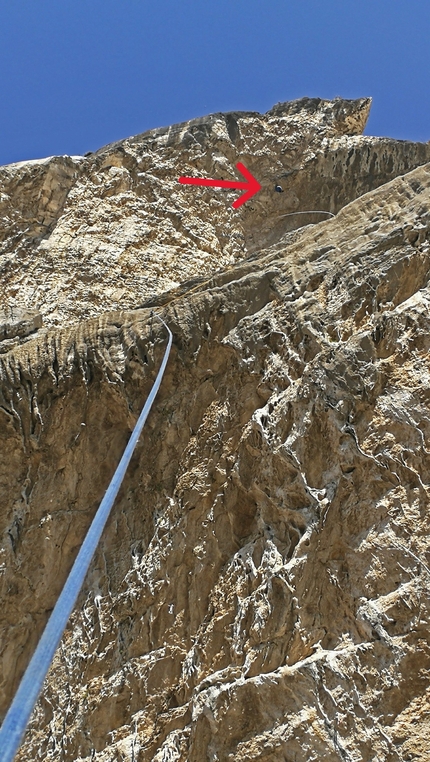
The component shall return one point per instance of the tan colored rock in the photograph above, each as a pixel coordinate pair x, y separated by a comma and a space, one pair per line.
261, 591
113, 230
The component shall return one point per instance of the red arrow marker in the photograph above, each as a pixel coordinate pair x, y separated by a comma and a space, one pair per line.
252, 186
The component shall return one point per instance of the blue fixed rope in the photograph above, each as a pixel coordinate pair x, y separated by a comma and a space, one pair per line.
19, 713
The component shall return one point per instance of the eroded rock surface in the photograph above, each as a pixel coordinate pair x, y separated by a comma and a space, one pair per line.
261, 591
83, 235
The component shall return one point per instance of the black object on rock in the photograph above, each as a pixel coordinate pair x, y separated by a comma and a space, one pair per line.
279, 189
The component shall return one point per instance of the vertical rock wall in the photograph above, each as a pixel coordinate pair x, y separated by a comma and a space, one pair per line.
261, 591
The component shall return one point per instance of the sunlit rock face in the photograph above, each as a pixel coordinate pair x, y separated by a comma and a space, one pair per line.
261, 591
84, 235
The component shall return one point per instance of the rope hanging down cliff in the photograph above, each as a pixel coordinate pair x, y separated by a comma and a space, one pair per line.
15, 722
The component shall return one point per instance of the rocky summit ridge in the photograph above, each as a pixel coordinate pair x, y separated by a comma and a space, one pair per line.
261, 591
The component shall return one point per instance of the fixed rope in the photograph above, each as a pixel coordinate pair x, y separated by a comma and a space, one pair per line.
16, 720
308, 211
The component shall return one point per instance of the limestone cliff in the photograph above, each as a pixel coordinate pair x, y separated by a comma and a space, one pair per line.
261, 591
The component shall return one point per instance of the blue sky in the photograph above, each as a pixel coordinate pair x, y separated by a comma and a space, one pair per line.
77, 74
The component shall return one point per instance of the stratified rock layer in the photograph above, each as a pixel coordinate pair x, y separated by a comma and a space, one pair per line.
261, 591
112, 230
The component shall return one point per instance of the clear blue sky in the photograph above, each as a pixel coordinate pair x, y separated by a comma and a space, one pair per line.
76, 74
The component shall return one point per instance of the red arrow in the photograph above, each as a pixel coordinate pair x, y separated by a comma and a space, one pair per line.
252, 186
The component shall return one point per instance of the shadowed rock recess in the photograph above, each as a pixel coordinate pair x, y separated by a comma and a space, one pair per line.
262, 588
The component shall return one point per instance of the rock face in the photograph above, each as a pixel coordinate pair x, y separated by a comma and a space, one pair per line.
261, 591
81, 236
